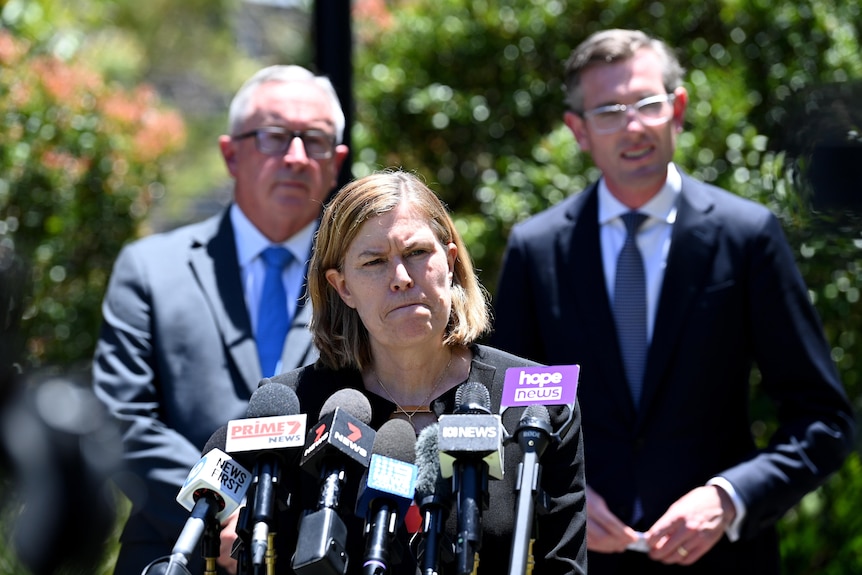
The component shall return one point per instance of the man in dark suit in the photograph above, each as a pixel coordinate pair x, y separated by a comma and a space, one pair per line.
178, 354
675, 481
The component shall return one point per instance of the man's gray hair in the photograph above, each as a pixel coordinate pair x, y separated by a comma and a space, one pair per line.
239, 111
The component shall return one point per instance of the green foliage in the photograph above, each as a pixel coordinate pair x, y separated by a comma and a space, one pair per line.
80, 161
823, 534
468, 94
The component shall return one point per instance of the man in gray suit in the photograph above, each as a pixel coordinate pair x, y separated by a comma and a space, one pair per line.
177, 355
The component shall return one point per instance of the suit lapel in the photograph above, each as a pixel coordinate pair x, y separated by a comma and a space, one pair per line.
214, 261
298, 341
693, 244
584, 286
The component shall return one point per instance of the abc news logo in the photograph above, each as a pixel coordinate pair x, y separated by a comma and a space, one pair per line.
470, 432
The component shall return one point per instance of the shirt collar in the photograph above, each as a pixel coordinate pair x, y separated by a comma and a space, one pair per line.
250, 241
662, 206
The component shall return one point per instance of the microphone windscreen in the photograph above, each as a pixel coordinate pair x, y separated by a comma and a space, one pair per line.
472, 397
535, 411
429, 481
396, 439
216, 440
352, 401
271, 400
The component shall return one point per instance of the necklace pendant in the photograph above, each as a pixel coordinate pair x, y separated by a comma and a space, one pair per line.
410, 410
414, 409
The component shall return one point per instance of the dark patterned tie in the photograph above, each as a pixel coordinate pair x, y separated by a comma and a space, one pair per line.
272, 317
630, 309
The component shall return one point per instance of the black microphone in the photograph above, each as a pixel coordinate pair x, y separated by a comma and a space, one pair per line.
533, 435
338, 446
470, 442
386, 492
434, 498
271, 436
212, 491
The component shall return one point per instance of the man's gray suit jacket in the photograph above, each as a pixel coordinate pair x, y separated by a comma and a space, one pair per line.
176, 359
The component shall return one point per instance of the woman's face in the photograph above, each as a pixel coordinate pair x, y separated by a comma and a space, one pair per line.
397, 276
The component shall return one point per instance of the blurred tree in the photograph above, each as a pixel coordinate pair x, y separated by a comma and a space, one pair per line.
109, 116
80, 162
465, 92
141, 57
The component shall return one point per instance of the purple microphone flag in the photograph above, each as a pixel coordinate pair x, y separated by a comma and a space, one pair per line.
551, 385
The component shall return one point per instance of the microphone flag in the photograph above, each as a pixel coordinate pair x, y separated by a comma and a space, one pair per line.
220, 476
551, 385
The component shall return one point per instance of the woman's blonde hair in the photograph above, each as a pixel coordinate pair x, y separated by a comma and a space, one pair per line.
336, 328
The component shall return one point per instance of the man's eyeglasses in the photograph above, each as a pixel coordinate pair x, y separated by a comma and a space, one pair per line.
651, 111
275, 141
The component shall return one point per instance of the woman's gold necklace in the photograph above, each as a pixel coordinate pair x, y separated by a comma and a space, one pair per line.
411, 410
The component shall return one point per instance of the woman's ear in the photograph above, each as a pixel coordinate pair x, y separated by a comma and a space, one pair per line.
336, 280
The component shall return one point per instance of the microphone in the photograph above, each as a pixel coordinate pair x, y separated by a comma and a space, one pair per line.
271, 435
433, 496
338, 445
386, 491
533, 435
212, 491
470, 442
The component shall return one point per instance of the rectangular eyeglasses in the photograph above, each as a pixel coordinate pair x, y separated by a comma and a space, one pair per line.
650, 111
276, 141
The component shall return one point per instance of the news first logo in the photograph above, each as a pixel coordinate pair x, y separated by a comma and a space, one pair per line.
218, 474
551, 385
265, 433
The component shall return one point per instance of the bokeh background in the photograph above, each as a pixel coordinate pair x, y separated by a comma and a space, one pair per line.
110, 112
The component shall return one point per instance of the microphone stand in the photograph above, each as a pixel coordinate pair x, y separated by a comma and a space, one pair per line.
533, 437
210, 548
378, 543
241, 547
433, 527
527, 488
204, 515
472, 488
263, 558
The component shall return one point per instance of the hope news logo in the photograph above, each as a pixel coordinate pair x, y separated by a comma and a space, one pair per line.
529, 391
552, 385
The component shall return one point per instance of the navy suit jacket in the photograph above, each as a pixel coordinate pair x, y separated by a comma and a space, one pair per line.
176, 359
731, 298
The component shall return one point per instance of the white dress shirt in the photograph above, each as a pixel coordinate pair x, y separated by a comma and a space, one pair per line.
653, 239
249, 245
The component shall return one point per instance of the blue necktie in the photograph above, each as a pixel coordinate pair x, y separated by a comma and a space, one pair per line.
272, 318
630, 309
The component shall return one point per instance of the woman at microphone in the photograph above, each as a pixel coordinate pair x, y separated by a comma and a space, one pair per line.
397, 313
